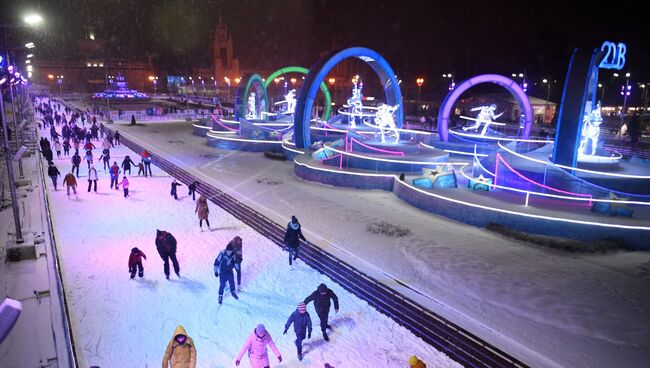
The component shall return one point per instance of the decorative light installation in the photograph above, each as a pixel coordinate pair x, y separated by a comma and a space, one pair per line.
355, 104
385, 122
590, 131
252, 110
485, 116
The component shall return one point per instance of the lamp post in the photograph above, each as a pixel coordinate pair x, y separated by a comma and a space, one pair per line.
452, 84
602, 94
548, 93
420, 82
644, 112
625, 91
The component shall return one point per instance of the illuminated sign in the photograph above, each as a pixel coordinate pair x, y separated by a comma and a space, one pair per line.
614, 55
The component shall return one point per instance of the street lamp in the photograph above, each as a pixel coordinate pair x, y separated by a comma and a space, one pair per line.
548, 92
625, 91
331, 81
452, 85
420, 82
602, 94
33, 19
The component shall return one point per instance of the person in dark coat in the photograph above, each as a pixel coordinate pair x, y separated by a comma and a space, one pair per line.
292, 238
166, 246
192, 189
223, 266
135, 262
175, 185
126, 164
53, 173
321, 298
132, 119
47, 154
301, 326
76, 161
236, 243
146, 159
105, 157
117, 137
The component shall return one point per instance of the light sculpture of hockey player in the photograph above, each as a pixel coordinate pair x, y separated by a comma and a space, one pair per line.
355, 105
252, 111
485, 116
590, 131
385, 122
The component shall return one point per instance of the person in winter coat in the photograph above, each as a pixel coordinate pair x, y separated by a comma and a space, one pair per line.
57, 148
256, 347
301, 326
66, 147
321, 298
192, 189
125, 186
415, 362
237, 248
181, 351
105, 157
53, 173
89, 157
223, 266
140, 168
75, 144
175, 184
135, 262
117, 137
146, 158
88, 146
47, 154
76, 161
292, 238
92, 177
70, 182
106, 144
202, 210
166, 246
126, 164
114, 172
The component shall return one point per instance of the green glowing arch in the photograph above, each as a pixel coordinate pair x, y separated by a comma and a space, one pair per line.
301, 70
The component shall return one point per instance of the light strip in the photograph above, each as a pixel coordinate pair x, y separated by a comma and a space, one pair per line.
496, 171
221, 132
200, 126
243, 139
290, 149
220, 123
489, 122
497, 138
398, 161
644, 177
458, 152
329, 129
344, 172
274, 124
229, 121
399, 153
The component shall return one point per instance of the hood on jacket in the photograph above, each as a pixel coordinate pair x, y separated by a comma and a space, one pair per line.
180, 330
294, 225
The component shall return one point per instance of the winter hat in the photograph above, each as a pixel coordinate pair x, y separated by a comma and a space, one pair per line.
302, 308
135, 250
260, 330
229, 247
294, 219
322, 288
413, 360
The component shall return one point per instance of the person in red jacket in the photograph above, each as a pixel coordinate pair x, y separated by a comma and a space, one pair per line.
135, 262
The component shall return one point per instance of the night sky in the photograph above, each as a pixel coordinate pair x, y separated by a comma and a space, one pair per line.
418, 38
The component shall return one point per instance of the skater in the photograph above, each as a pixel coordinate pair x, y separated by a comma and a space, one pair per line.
292, 238
53, 173
92, 177
140, 168
125, 186
66, 147
321, 298
76, 161
223, 266
301, 326
256, 347
114, 172
47, 153
202, 210
126, 164
57, 148
117, 137
70, 182
106, 144
105, 157
181, 351
175, 184
146, 158
166, 246
415, 362
237, 248
135, 262
89, 158
192, 189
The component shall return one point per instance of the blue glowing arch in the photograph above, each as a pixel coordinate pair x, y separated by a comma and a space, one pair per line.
248, 84
319, 71
505, 82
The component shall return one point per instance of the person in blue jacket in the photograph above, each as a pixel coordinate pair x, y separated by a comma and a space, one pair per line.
292, 238
224, 265
301, 326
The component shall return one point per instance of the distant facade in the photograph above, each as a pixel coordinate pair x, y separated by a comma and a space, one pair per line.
225, 63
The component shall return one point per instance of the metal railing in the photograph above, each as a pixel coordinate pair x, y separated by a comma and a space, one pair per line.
459, 344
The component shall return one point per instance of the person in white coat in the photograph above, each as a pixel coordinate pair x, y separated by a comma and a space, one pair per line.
92, 177
256, 347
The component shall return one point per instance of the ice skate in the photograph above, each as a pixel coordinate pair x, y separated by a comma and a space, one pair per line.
178, 275
220, 299
234, 295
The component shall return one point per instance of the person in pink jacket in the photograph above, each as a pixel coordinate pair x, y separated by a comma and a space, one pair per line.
125, 185
256, 346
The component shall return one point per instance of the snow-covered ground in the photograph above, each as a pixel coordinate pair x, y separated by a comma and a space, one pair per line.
546, 307
119, 322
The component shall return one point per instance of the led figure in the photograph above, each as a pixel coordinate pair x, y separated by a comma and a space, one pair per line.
486, 116
385, 122
355, 106
252, 111
590, 131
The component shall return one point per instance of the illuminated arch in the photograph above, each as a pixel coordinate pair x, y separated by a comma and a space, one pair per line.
250, 81
319, 71
505, 82
301, 70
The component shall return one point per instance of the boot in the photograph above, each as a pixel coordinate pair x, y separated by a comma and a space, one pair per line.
325, 337
220, 299
234, 295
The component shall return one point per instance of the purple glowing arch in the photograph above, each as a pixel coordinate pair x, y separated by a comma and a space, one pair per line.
505, 82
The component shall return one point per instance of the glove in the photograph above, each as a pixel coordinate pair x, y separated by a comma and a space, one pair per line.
216, 274
280, 359
237, 363
285, 332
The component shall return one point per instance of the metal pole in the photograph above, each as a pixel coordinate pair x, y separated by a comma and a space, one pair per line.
620, 130
10, 170
548, 93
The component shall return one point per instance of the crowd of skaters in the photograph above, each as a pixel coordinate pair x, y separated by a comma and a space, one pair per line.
181, 349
